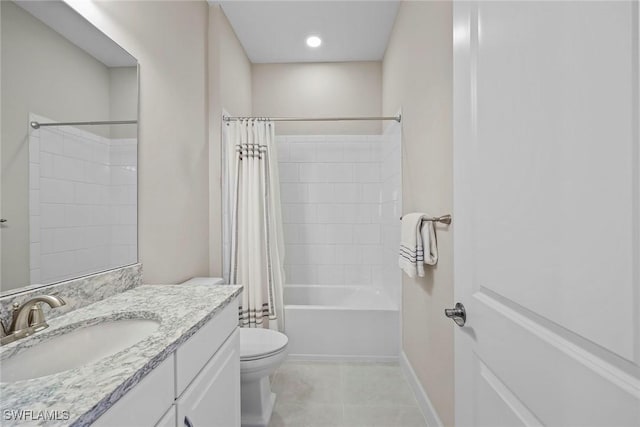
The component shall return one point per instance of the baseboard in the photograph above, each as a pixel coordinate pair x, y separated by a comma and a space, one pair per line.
341, 358
425, 405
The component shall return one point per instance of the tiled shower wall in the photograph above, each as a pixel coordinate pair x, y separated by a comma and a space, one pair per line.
341, 207
391, 210
82, 203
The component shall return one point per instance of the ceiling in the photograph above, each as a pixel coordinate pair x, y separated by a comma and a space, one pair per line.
276, 31
68, 23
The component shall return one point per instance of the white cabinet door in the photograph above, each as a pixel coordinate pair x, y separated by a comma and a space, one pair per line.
547, 213
192, 355
213, 398
169, 419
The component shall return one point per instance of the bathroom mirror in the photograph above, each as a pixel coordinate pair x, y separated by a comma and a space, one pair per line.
68, 195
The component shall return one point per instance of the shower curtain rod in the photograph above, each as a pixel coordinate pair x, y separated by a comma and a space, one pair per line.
397, 118
38, 125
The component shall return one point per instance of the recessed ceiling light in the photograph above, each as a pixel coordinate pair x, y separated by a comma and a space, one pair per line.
314, 41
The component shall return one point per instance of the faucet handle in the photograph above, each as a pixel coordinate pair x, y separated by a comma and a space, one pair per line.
15, 309
7, 330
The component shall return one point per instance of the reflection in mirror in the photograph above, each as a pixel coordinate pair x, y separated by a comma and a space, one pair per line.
68, 192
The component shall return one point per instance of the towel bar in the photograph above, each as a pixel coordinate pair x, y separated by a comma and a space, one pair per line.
444, 219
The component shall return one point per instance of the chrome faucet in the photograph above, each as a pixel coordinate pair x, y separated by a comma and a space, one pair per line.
28, 318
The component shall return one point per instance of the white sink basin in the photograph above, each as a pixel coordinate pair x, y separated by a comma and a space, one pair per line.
76, 348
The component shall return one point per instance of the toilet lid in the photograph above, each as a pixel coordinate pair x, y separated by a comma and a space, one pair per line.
256, 343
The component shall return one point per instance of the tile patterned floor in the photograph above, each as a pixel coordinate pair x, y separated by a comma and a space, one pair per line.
326, 394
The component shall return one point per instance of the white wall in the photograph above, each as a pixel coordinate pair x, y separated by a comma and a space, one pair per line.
34, 56
319, 90
229, 89
417, 76
169, 39
123, 100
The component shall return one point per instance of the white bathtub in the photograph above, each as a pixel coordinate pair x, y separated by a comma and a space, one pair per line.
340, 322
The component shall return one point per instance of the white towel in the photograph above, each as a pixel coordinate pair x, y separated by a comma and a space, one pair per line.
429, 243
416, 237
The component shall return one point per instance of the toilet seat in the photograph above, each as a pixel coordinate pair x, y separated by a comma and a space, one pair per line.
258, 343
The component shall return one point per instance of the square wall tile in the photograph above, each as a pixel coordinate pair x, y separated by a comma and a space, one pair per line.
56, 191
291, 234
289, 172
51, 141
302, 274
284, 149
366, 172
311, 172
370, 193
366, 234
47, 241
322, 254
298, 255
331, 274
348, 254
338, 233
329, 152
293, 193
345, 193
321, 193
357, 274
302, 152
336, 172
299, 213
46, 165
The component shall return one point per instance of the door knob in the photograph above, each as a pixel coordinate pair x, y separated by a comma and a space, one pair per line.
458, 314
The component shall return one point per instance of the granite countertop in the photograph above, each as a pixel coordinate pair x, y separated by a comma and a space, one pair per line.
88, 391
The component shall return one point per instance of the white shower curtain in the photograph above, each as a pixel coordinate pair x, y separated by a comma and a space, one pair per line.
256, 240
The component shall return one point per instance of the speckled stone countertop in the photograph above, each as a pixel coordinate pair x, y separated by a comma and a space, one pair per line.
88, 391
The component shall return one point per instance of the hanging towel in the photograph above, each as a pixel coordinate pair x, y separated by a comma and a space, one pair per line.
416, 237
429, 243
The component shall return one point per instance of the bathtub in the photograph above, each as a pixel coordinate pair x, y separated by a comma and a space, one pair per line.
341, 323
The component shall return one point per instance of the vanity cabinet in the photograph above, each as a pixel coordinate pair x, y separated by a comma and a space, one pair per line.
213, 398
169, 419
198, 385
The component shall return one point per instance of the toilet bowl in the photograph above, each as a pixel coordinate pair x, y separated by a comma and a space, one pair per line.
261, 352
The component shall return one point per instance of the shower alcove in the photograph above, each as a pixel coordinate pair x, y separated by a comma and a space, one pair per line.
341, 201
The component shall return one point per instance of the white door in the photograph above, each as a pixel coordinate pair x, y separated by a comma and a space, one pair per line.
547, 213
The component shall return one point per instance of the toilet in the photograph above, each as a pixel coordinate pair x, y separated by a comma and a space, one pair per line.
261, 352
